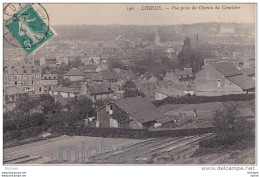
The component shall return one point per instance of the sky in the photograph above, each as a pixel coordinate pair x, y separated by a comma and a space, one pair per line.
106, 14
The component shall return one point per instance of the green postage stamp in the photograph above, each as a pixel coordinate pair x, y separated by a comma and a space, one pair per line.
29, 28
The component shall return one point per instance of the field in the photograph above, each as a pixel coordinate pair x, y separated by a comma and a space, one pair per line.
204, 111
50, 148
177, 150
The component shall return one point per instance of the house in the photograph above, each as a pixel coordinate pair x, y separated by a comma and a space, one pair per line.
226, 30
48, 61
74, 75
63, 101
222, 78
146, 86
178, 76
25, 77
134, 112
176, 118
166, 122
48, 82
170, 89
88, 68
109, 76
105, 76
91, 60
11, 95
97, 91
250, 72
66, 92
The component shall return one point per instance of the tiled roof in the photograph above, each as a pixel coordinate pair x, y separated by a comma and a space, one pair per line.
108, 75
65, 90
226, 68
88, 67
242, 81
249, 71
12, 90
139, 109
166, 120
184, 73
63, 101
99, 89
74, 72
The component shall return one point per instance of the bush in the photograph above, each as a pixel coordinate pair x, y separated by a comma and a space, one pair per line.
9, 125
204, 99
230, 128
27, 121
24, 134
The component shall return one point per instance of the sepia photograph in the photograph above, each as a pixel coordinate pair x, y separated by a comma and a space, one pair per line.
129, 84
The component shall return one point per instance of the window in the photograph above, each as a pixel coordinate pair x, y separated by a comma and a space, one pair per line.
218, 82
15, 82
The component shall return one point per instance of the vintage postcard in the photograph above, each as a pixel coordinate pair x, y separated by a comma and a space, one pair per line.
144, 84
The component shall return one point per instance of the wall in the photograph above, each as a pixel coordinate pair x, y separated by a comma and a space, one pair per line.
103, 118
206, 83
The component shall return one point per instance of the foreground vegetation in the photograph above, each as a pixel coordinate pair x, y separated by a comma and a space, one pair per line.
233, 132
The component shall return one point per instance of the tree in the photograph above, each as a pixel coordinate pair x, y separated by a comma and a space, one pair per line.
25, 104
230, 126
129, 85
131, 90
226, 120
49, 107
47, 103
231, 129
81, 108
185, 56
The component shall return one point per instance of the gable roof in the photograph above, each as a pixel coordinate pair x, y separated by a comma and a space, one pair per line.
249, 71
87, 68
185, 72
74, 72
226, 68
243, 81
108, 75
140, 109
12, 90
99, 89
65, 89
63, 101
